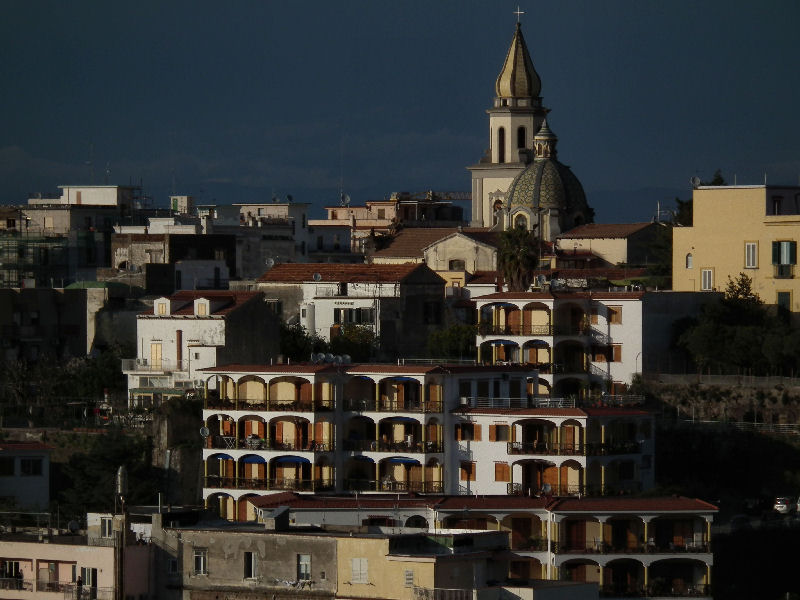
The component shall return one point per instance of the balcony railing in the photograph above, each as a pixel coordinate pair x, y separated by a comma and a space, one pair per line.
364, 405
229, 442
15, 583
385, 485
524, 402
251, 483
403, 447
545, 448
251, 404
70, 592
443, 594
145, 365
784, 271
533, 330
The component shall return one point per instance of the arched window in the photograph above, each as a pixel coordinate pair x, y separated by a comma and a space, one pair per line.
521, 137
521, 221
689, 260
501, 145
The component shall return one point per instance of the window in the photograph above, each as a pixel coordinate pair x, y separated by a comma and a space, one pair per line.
249, 565
303, 567
381, 213
520, 137
501, 145
502, 472
409, 578
615, 315
467, 471
520, 222
456, 265
468, 431
751, 255
593, 318
201, 561
172, 566
6, 466
689, 261
784, 257
106, 528
359, 570
499, 433
30, 467
162, 308
202, 309
707, 281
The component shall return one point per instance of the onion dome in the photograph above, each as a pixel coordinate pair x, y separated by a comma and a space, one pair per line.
518, 78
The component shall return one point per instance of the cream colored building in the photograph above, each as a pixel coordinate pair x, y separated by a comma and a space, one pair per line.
751, 229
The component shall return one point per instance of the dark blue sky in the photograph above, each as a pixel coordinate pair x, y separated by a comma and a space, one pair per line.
237, 101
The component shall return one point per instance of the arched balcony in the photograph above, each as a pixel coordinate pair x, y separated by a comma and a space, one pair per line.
678, 577
400, 474
542, 437
290, 472
571, 319
499, 351
570, 358
359, 394
471, 520
222, 432
252, 472
290, 433
505, 318
251, 393
246, 512
222, 504
402, 394
324, 474
540, 354
220, 471
290, 394
359, 474
534, 477
527, 532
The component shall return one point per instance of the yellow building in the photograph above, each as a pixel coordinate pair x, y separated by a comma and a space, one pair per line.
751, 229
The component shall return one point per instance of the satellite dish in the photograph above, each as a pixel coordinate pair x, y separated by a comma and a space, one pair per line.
695, 181
270, 262
73, 526
204, 431
320, 357
346, 359
337, 360
317, 277
329, 357
542, 280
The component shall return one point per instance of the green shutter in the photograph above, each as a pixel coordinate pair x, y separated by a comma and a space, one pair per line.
776, 253
792, 253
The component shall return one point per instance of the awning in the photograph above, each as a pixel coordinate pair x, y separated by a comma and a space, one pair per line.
502, 343
291, 459
402, 460
401, 419
400, 378
253, 459
221, 456
362, 458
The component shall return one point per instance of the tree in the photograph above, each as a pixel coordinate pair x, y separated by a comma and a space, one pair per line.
296, 343
456, 341
357, 341
518, 256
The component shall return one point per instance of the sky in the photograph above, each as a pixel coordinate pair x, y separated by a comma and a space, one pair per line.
242, 101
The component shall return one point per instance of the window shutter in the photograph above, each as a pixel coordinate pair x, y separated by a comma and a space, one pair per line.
792, 253
776, 253
458, 432
477, 436
513, 433
492, 433
617, 353
594, 316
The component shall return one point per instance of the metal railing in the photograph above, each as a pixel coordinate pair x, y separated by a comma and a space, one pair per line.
413, 446
443, 594
147, 365
386, 485
517, 329
365, 405
523, 402
72, 592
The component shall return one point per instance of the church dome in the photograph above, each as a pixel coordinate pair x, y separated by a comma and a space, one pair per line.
518, 78
548, 184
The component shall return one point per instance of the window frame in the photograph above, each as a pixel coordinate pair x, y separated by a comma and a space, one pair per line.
706, 287
303, 567
201, 555
249, 565
359, 570
751, 255
31, 466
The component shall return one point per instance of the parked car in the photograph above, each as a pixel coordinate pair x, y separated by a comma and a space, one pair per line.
784, 505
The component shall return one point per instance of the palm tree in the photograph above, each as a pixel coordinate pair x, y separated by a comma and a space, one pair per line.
518, 256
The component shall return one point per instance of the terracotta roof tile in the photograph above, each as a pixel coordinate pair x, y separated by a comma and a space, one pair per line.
632, 504
412, 241
233, 300
601, 230
338, 272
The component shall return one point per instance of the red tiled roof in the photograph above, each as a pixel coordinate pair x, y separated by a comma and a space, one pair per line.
556, 412
281, 368
603, 230
559, 294
18, 446
339, 272
491, 502
187, 297
342, 502
632, 504
412, 241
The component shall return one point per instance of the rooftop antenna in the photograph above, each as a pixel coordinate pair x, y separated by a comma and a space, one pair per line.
108, 171
695, 181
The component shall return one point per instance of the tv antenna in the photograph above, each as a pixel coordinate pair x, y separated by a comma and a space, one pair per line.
695, 181
317, 277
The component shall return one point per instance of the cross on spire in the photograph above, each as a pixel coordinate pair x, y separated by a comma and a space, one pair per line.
519, 13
